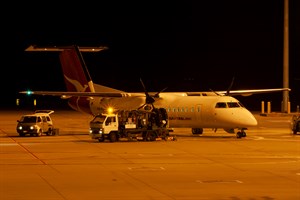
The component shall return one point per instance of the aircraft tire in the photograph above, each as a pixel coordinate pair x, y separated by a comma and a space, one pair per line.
197, 130
244, 134
239, 134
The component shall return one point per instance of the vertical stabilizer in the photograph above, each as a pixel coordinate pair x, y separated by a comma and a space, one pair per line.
76, 75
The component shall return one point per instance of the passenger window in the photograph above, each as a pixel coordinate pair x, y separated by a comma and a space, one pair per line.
44, 119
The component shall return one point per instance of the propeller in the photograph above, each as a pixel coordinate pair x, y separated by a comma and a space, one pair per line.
227, 91
149, 99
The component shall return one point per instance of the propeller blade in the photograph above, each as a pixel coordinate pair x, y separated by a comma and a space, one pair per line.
230, 86
144, 87
149, 99
157, 94
215, 92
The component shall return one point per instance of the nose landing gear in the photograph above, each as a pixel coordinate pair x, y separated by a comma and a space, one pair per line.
241, 133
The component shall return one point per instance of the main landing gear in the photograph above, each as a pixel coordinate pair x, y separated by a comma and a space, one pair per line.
241, 132
197, 130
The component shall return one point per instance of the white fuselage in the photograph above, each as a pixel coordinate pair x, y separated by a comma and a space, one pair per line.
187, 111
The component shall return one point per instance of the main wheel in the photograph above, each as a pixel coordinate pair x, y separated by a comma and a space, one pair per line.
197, 130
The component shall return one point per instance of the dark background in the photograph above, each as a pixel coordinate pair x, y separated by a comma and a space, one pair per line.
182, 45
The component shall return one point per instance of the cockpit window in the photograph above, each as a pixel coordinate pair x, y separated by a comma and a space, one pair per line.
221, 105
233, 104
228, 105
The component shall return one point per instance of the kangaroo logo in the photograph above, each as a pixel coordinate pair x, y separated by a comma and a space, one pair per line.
77, 84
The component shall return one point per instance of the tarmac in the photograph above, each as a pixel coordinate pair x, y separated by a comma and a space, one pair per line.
265, 165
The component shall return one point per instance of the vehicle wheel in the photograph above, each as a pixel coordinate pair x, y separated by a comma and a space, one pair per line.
101, 139
50, 132
39, 133
151, 136
113, 137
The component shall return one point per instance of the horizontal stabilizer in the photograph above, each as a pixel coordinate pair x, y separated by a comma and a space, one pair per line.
61, 48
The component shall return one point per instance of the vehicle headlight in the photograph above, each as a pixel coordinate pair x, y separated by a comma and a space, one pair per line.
32, 127
20, 127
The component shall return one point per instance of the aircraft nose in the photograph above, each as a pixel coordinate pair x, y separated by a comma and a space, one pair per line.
250, 120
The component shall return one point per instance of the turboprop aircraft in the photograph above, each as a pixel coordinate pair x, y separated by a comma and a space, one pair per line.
195, 110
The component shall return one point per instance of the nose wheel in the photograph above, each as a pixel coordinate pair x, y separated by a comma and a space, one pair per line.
241, 133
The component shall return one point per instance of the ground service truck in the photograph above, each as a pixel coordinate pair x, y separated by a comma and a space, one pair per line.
131, 125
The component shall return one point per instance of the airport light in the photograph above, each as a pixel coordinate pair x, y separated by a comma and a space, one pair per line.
29, 92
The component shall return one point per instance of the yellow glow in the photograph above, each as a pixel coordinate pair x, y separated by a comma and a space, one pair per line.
110, 110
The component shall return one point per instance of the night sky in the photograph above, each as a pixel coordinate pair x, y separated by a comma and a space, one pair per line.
182, 45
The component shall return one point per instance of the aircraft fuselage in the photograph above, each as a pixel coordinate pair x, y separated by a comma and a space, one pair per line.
183, 111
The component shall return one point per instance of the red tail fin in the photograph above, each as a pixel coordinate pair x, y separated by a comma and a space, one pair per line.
76, 76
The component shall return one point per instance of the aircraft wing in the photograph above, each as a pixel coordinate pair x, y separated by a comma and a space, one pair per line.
66, 95
250, 92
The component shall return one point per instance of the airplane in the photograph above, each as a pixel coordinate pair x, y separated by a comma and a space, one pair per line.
195, 110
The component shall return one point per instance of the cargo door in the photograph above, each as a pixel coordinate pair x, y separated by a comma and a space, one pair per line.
44, 124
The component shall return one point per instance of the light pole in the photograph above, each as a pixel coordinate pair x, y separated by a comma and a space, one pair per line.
285, 95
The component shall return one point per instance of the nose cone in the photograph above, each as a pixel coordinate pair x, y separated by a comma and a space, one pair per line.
236, 117
250, 120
